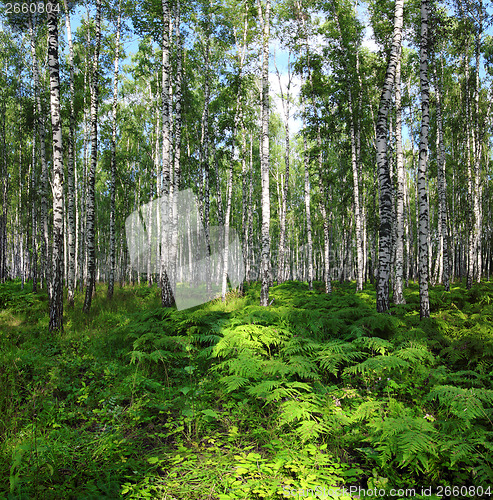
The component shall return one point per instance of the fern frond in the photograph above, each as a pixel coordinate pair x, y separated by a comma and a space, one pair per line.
244, 365
288, 390
410, 440
367, 410
310, 429
234, 382
299, 345
160, 355
263, 389
276, 366
302, 367
417, 446
457, 449
415, 354
336, 353
377, 366
294, 410
137, 356
375, 344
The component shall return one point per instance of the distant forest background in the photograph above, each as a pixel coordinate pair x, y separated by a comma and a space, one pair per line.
331, 160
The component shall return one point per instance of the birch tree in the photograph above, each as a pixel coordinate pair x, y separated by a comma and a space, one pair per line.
91, 178
111, 281
32, 192
234, 153
40, 126
308, 217
178, 128
442, 187
264, 17
56, 285
323, 211
70, 167
285, 100
423, 222
384, 182
399, 212
477, 141
166, 292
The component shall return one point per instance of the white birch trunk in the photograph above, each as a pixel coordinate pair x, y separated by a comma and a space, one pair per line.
111, 281
91, 178
44, 271
399, 223
70, 169
56, 285
265, 266
385, 185
442, 189
423, 222
166, 291
285, 100
177, 145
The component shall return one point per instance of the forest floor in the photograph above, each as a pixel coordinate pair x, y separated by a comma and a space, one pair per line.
234, 401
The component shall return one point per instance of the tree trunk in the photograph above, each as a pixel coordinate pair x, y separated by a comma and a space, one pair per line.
308, 217
91, 178
281, 273
422, 167
354, 135
34, 249
442, 188
399, 243
44, 166
204, 179
477, 152
385, 185
323, 211
357, 209
244, 198
70, 168
111, 281
56, 285
177, 145
234, 155
249, 228
166, 290
265, 266
4, 196
83, 198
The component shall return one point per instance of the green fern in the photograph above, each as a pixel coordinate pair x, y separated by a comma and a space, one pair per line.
374, 344
297, 410
458, 450
301, 366
407, 440
463, 403
379, 366
299, 345
246, 364
367, 410
336, 354
268, 389
234, 382
415, 354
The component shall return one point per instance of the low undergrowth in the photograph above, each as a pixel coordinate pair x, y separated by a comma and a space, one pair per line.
229, 400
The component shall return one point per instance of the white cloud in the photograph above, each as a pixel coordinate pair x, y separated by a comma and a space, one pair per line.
369, 41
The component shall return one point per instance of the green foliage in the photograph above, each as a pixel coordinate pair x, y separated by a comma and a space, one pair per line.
230, 400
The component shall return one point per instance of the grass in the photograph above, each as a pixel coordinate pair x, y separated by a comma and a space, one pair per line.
231, 400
